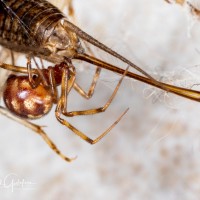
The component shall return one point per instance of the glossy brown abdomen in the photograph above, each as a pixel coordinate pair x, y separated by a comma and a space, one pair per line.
23, 100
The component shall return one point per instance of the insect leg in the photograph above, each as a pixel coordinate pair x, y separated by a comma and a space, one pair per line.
3, 73
37, 129
12, 57
18, 69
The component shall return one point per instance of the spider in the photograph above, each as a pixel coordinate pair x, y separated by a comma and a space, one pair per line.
31, 96
39, 29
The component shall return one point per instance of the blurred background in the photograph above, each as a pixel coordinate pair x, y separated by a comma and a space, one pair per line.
153, 153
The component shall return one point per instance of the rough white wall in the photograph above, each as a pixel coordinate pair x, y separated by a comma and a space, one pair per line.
153, 153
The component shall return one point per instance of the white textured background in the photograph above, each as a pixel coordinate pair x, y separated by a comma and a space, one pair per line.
153, 153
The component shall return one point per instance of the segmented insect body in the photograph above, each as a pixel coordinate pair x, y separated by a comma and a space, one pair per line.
40, 29
37, 28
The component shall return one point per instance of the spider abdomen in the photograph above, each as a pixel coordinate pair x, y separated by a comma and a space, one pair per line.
23, 100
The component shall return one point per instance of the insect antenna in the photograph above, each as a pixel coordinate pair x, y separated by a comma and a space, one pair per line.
83, 35
187, 93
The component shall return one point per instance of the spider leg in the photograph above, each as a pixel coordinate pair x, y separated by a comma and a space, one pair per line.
90, 92
37, 129
35, 82
81, 134
77, 87
61, 108
32, 82
89, 111
53, 85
